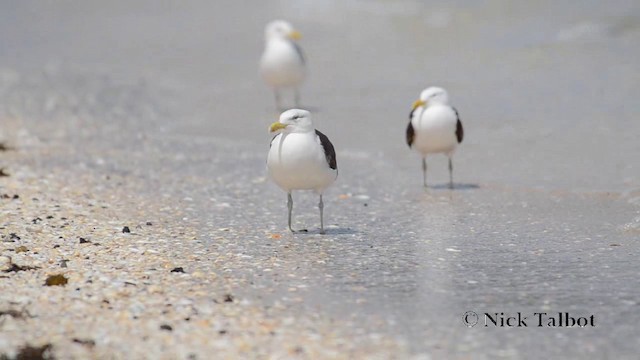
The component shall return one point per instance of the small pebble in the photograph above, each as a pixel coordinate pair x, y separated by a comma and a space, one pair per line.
56, 280
5, 263
126, 230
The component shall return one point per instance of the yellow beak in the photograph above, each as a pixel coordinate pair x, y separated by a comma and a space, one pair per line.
295, 35
277, 126
418, 103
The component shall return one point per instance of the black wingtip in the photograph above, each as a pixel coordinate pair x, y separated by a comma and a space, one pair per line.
459, 129
329, 151
410, 134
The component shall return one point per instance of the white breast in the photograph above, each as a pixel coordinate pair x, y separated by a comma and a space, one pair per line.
435, 129
281, 64
296, 161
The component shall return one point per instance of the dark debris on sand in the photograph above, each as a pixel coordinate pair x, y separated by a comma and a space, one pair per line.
16, 268
85, 342
16, 314
29, 352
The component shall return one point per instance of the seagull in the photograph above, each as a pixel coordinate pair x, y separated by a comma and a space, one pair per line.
301, 158
434, 127
282, 64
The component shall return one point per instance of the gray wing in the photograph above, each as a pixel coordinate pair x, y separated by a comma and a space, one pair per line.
299, 51
273, 138
329, 151
271, 143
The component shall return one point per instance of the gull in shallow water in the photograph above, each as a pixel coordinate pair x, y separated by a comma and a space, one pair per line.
301, 158
282, 65
434, 127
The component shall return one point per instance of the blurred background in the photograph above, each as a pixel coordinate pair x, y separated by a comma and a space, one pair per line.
167, 95
544, 89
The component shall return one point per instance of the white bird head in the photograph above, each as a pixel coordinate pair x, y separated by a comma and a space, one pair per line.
293, 120
281, 29
432, 95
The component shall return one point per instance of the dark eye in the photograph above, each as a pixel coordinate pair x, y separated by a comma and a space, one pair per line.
296, 117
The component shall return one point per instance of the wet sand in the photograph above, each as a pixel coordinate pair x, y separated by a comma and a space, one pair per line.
154, 118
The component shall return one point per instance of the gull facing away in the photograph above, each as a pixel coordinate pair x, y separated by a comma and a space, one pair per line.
282, 65
301, 158
434, 127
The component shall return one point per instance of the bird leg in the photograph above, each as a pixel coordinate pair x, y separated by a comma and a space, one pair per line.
290, 207
277, 96
321, 207
424, 172
450, 173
